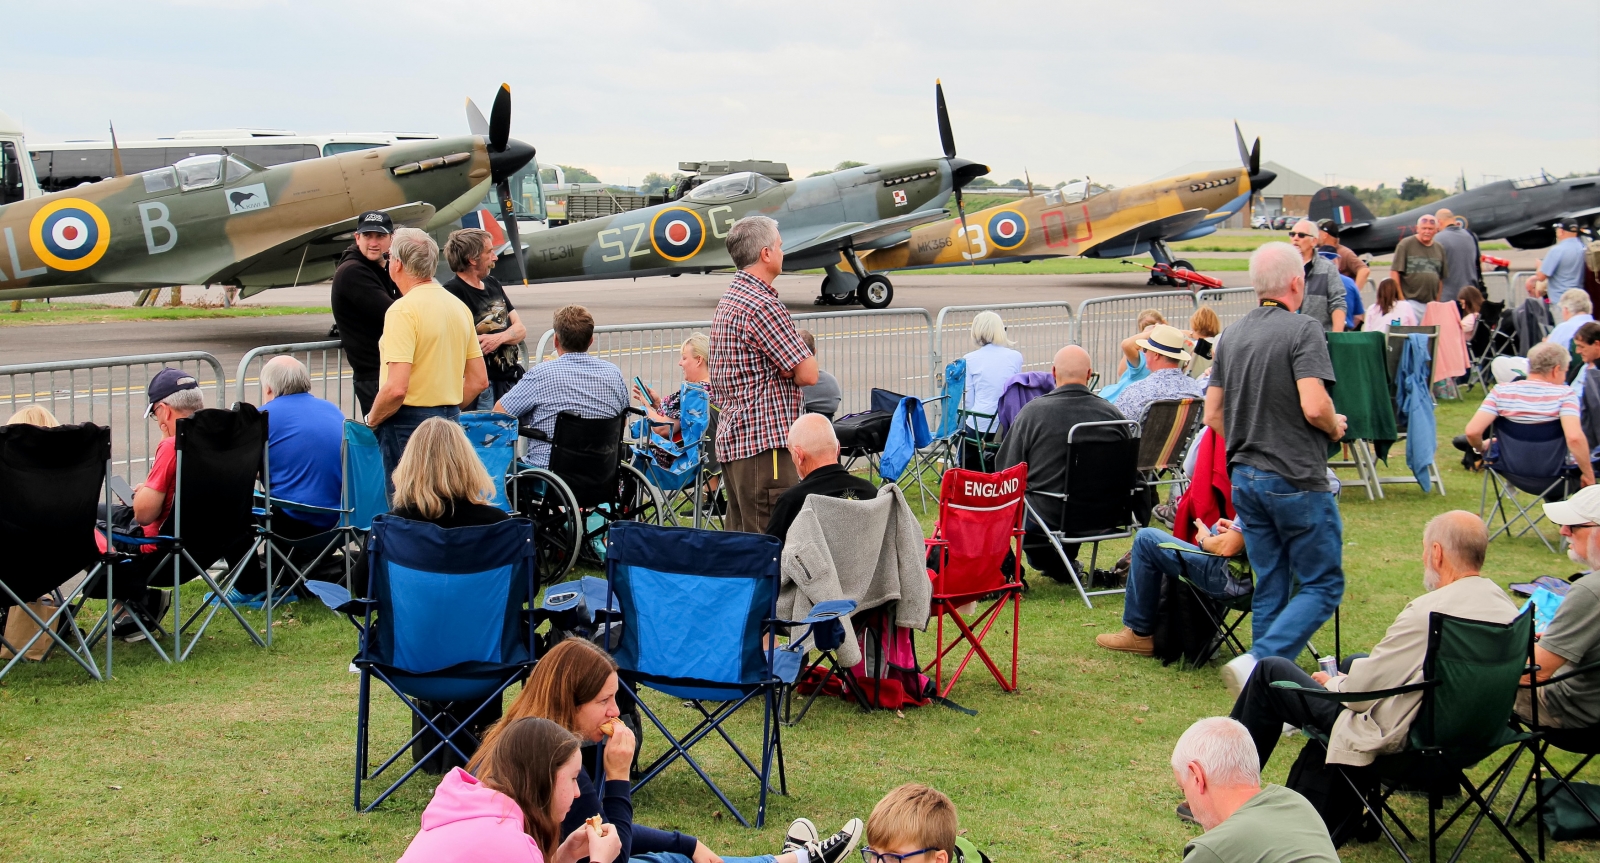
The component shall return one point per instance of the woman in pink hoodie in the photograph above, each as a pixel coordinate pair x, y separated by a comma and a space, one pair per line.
527, 780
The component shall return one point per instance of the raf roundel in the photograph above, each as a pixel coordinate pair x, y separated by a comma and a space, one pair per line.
1007, 229
70, 234
677, 233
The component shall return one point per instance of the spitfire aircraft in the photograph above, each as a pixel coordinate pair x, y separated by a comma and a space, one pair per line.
1084, 219
1522, 212
822, 219
219, 219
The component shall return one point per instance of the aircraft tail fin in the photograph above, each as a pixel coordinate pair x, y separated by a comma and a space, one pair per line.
1344, 208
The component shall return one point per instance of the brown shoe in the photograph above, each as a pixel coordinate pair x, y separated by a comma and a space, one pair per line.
1128, 642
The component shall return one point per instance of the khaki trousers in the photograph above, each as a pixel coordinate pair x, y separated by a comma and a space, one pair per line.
753, 485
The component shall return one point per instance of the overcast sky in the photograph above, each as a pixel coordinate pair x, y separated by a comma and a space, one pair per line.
1361, 92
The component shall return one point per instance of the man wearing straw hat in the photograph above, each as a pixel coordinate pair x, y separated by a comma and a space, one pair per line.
1163, 352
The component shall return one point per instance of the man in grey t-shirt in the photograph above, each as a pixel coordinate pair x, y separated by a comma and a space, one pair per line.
1460, 255
822, 397
1268, 400
1573, 638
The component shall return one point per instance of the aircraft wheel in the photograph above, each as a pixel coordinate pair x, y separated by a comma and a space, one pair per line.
875, 292
1183, 265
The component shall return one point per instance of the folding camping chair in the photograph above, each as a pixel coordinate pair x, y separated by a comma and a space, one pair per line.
1218, 608
863, 435
1490, 338
683, 482
1169, 427
221, 455
1578, 741
1528, 458
445, 620
699, 619
908, 438
1468, 687
980, 528
494, 438
1096, 502
53, 480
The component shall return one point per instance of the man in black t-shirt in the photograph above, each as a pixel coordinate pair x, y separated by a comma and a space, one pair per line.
471, 256
815, 450
361, 295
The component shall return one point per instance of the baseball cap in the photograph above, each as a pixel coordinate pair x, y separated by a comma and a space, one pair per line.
1569, 225
374, 222
166, 382
1165, 340
1581, 508
1329, 226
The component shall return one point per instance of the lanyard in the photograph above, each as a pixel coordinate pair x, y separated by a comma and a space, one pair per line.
1276, 304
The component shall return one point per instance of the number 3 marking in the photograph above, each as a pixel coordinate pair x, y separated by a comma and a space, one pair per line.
975, 240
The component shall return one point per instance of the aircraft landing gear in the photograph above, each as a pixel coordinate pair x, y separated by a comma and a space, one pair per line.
875, 292
1163, 255
1180, 264
838, 288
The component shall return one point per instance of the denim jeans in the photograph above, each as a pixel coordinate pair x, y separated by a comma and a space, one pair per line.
397, 429
1292, 537
1151, 563
670, 857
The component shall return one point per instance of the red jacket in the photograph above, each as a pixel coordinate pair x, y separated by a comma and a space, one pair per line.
1210, 493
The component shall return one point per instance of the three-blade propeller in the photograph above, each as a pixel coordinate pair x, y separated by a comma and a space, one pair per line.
506, 157
1251, 161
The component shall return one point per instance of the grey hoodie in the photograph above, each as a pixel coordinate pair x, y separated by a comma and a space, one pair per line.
1324, 291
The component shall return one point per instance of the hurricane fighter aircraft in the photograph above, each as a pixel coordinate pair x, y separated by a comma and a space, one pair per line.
1084, 219
218, 219
823, 220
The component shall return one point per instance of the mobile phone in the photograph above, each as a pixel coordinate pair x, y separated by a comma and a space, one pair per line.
121, 489
644, 391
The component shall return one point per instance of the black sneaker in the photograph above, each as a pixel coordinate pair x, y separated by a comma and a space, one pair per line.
837, 847
1184, 814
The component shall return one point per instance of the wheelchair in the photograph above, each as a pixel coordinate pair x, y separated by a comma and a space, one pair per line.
588, 485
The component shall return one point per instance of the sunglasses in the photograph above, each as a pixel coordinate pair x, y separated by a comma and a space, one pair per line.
871, 856
1300, 235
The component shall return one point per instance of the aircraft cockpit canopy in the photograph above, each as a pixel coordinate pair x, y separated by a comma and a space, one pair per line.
733, 186
1539, 179
1078, 190
195, 172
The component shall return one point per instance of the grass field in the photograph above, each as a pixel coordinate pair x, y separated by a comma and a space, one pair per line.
243, 753
40, 313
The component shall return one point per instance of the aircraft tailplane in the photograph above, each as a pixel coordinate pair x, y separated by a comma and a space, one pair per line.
1344, 208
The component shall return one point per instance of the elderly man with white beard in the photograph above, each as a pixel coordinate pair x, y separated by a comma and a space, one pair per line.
1454, 545
1572, 639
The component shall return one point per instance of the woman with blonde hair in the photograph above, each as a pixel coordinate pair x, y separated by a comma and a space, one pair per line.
694, 358
575, 685
988, 368
34, 415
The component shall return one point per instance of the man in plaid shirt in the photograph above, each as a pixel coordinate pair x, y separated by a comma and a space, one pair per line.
758, 365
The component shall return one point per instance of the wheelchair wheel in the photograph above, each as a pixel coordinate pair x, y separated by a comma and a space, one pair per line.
558, 523
636, 498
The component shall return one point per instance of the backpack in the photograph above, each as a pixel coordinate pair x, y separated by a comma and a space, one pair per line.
966, 852
1185, 623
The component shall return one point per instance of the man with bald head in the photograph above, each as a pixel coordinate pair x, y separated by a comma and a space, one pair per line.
815, 450
1268, 399
1038, 437
1420, 265
1460, 255
1324, 299
1454, 545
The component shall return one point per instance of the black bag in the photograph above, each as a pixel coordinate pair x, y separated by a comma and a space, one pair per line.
1327, 792
1564, 817
1183, 628
864, 432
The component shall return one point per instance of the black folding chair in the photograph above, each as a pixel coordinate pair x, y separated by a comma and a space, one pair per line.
1528, 458
53, 480
1218, 609
1101, 488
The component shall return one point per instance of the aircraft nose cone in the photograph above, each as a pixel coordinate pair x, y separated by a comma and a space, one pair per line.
1262, 178
510, 160
964, 171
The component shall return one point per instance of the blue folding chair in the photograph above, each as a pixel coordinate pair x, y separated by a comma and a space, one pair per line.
366, 493
699, 620
494, 438
683, 482
1529, 458
445, 621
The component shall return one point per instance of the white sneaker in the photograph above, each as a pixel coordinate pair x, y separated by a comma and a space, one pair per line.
1290, 730
801, 833
837, 848
1237, 673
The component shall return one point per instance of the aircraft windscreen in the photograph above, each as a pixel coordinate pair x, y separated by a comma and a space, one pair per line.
1079, 190
160, 180
731, 186
1539, 179
198, 172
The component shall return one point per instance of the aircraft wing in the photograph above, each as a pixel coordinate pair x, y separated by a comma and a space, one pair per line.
1579, 214
304, 258
839, 237
1155, 229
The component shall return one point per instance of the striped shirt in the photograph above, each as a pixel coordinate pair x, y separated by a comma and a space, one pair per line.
589, 387
753, 340
1531, 401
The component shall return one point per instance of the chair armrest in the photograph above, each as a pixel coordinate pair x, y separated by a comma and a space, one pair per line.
1183, 549
531, 432
309, 507
1562, 675
1375, 695
337, 598
1055, 495
142, 540
822, 612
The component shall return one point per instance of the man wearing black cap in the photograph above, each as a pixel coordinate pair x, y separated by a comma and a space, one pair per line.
1562, 269
362, 294
1349, 263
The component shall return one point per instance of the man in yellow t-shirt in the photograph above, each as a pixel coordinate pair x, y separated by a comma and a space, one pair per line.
430, 364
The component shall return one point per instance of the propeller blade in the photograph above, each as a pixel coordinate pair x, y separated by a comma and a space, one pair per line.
475, 121
961, 214
947, 138
1244, 155
1255, 157
500, 119
508, 217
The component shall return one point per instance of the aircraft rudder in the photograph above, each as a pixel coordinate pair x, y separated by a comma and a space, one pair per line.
1340, 205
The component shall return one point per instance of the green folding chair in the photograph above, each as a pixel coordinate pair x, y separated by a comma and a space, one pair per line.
1559, 788
1469, 686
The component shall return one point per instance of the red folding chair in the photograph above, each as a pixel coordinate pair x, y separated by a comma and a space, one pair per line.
980, 523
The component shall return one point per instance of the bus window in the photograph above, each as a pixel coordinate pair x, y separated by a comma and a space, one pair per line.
178, 154
10, 173
267, 155
41, 169
347, 147
137, 160
73, 168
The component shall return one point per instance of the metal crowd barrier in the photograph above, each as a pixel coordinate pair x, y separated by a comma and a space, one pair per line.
1037, 329
1519, 279
1103, 322
1230, 304
1490, 294
109, 391
330, 374
888, 348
